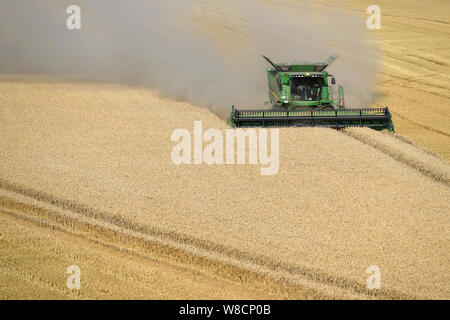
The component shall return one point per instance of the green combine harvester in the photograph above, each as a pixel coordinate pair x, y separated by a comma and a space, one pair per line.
305, 95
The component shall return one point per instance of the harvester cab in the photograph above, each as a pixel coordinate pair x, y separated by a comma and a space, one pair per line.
303, 85
304, 94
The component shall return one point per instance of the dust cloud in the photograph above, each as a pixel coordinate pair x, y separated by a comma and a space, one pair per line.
206, 52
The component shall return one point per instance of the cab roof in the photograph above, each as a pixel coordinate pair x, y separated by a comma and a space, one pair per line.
303, 66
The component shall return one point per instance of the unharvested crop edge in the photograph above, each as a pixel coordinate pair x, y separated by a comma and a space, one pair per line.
422, 167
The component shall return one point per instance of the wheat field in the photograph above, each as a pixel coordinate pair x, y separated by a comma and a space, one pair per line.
101, 153
86, 179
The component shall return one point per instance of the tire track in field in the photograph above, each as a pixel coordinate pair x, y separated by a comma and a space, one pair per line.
35, 281
427, 85
431, 129
202, 254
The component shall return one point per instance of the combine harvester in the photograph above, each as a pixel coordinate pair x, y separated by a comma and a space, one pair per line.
305, 95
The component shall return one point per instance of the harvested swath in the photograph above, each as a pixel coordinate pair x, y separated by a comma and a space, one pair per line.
335, 207
35, 256
403, 150
246, 278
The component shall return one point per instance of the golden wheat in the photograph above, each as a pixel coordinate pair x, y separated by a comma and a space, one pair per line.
35, 260
395, 146
86, 178
336, 206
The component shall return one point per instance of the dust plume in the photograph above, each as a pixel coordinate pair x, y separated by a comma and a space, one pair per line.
203, 51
